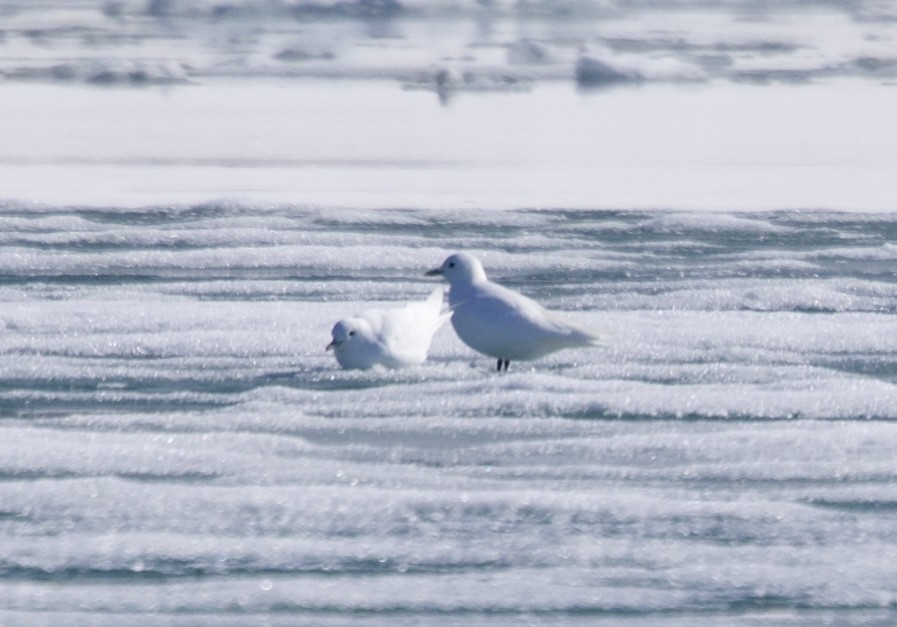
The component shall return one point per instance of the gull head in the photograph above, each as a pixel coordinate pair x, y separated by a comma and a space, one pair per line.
460, 269
343, 333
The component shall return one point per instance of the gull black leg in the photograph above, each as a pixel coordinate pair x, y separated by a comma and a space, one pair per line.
499, 366
503, 363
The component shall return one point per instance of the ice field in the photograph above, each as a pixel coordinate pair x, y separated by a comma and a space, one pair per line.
177, 443
192, 196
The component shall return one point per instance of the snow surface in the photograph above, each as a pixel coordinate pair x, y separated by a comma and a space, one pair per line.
176, 442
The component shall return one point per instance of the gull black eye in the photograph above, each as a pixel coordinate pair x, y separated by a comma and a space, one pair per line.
451, 264
351, 332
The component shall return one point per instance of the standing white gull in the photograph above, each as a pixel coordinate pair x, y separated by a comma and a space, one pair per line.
392, 338
499, 322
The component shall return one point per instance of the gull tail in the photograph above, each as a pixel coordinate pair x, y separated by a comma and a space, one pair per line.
587, 336
579, 335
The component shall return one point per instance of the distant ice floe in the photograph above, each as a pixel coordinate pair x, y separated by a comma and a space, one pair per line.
300, 53
106, 72
530, 52
484, 46
601, 69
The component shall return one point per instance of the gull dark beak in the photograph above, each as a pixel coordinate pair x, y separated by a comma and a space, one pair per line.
434, 272
330, 346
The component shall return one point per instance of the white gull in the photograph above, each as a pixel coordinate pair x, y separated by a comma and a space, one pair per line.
501, 323
392, 338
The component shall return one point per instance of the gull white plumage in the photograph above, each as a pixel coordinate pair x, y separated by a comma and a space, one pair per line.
392, 338
499, 322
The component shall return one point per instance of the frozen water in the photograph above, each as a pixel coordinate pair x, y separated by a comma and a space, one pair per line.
177, 445
192, 192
